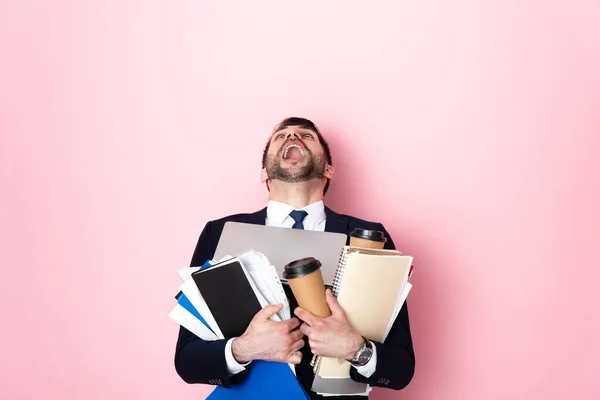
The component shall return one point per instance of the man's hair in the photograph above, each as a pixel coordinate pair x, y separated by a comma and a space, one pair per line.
306, 124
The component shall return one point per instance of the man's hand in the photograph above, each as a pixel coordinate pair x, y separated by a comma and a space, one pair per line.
269, 340
332, 336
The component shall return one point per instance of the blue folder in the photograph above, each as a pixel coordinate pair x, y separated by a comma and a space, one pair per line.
185, 303
265, 380
206, 264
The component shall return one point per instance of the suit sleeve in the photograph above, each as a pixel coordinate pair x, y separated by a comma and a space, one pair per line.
395, 356
197, 360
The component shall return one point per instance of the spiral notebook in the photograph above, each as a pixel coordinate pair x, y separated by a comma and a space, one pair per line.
370, 285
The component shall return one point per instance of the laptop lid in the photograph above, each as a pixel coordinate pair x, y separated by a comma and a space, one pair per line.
283, 245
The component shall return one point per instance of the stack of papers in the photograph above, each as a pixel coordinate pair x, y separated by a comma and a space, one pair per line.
192, 310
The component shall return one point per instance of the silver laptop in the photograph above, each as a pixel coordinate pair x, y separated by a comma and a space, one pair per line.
283, 245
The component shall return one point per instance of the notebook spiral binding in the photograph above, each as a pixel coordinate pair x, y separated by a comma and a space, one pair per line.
337, 282
339, 272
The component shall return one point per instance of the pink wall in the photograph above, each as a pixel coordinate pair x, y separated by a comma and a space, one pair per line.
471, 128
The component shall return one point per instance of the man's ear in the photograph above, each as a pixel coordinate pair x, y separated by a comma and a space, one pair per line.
329, 172
263, 175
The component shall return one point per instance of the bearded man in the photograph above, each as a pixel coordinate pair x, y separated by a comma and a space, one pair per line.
297, 169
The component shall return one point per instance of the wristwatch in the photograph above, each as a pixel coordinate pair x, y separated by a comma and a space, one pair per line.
364, 354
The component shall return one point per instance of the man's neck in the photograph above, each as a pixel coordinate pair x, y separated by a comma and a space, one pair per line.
298, 195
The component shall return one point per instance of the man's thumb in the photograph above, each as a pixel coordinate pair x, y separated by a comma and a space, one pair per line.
332, 302
268, 310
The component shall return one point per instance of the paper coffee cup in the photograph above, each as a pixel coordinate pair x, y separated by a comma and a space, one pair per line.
306, 281
367, 238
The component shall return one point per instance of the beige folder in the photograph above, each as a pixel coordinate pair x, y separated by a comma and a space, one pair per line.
368, 285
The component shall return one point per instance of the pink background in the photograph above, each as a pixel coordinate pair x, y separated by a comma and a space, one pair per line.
470, 128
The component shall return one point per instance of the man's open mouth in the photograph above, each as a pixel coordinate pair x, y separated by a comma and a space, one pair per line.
293, 151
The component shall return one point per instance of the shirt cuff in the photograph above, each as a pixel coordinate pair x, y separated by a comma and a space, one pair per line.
369, 368
233, 367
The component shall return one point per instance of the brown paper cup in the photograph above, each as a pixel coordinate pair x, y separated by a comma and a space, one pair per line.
306, 281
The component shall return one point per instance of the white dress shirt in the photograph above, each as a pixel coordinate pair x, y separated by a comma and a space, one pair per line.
278, 214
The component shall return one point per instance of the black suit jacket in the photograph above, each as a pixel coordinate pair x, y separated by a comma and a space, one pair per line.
200, 361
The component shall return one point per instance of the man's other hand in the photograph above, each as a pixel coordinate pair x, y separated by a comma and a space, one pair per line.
269, 340
332, 336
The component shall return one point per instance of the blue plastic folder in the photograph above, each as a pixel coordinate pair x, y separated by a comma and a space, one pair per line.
206, 264
185, 303
265, 380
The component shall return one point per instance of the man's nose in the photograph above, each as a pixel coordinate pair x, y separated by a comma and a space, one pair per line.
292, 136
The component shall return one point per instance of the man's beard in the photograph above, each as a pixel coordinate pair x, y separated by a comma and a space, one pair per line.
314, 168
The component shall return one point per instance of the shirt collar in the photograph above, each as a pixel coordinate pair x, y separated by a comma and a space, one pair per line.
278, 211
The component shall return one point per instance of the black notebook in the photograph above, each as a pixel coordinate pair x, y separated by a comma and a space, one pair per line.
229, 294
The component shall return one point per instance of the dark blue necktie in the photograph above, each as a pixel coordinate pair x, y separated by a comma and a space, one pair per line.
298, 216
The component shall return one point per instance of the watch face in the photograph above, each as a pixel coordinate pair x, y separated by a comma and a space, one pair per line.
363, 356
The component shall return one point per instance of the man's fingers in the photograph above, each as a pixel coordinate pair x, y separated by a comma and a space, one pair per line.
305, 315
305, 329
297, 345
297, 334
267, 311
294, 358
292, 323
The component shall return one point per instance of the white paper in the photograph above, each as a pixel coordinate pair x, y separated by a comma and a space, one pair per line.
401, 299
186, 319
186, 273
266, 281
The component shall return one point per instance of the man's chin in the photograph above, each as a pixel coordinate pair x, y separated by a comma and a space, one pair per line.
295, 169
288, 177
292, 173
297, 164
